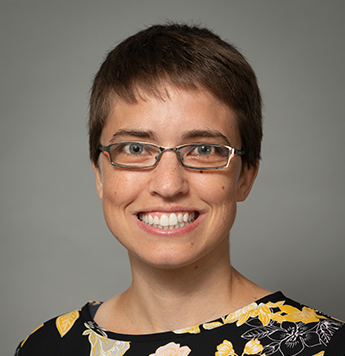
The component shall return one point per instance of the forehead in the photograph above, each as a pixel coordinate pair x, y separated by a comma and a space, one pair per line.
171, 116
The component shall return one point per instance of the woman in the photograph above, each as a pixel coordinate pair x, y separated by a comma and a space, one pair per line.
175, 132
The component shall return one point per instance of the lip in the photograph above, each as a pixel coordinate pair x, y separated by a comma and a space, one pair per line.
167, 209
168, 232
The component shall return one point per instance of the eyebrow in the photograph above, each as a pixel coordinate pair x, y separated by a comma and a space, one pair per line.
133, 133
194, 134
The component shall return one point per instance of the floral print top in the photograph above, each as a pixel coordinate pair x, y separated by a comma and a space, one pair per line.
272, 326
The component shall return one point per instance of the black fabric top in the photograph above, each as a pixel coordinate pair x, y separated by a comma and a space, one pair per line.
274, 325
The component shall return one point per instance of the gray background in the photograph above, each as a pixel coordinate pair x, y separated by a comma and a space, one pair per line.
56, 252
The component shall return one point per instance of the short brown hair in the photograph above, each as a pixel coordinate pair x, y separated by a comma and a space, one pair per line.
189, 58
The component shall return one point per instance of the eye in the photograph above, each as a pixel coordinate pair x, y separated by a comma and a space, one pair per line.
204, 150
134, 148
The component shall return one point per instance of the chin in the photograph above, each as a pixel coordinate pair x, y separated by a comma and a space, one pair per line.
166, 261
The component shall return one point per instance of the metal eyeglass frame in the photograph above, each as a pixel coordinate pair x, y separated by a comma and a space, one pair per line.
232, 152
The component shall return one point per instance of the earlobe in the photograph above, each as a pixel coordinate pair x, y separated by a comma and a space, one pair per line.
246, 182
99, 180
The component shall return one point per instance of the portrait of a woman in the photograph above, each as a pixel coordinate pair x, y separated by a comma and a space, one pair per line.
175, 130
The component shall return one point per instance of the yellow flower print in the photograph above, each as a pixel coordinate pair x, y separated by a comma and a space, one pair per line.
241, 316
65, 322
253, 347
265, 315
210, 326
275, 305
225, 349
102, 346
294, 315
262, 311
191, 330
172, 349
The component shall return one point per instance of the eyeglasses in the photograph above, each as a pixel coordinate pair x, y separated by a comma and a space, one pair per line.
136, 155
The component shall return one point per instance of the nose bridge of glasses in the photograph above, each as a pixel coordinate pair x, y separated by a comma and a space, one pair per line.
164, 149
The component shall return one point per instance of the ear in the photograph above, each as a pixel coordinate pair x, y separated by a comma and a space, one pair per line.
99, 180
246, 181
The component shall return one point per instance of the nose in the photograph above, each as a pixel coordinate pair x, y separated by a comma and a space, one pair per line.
168, 179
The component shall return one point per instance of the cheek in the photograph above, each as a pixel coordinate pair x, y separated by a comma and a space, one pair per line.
219, 192
227, 204
220, 195
119, 189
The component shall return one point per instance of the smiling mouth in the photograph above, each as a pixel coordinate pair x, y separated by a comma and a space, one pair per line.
168, 221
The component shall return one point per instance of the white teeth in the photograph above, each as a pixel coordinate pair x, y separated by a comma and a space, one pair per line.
172, 219
168, 221
164, 221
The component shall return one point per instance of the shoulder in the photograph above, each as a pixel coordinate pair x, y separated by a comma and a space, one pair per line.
62, 335
296, 326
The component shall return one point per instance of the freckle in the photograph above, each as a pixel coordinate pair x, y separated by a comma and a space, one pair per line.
201, 171
223, 187
196, 267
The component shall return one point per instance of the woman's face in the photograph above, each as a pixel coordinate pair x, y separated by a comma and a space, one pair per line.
207, 199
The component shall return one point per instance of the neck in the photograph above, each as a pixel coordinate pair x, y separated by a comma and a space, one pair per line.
174, 299
161, 299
